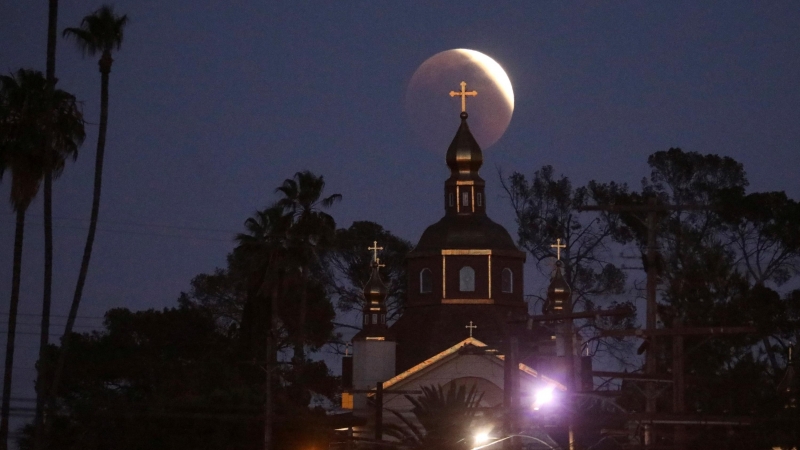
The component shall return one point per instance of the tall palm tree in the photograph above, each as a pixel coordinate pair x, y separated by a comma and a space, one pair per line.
39, 128
100, 32
44, 337
312, 230
264, 249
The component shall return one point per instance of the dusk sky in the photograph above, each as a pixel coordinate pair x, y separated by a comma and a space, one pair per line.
214, 104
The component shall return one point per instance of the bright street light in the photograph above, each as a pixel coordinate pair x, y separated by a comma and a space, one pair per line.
481, 438
543, 396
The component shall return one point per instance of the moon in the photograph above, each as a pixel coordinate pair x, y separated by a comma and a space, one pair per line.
434, 115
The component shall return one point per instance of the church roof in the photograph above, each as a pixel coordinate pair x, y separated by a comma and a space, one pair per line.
465, 232
470, 341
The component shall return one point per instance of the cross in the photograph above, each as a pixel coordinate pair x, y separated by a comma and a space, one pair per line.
558, 246
463, 94
378, 263
375, 249
471, 327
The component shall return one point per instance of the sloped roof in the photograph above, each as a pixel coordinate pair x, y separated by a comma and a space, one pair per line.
440, 357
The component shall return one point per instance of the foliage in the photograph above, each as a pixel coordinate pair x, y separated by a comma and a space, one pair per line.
30, 119
725, 258
100, 32
351, 262
546, 209
444, 419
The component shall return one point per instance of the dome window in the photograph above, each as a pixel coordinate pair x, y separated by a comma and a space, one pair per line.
466, 279
450, 199
507, 281
479, 199
425, 281
465, 199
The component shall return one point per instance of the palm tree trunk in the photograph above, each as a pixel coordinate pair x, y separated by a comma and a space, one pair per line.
87, 251
270, 361
299, 346
12, 327
44, 338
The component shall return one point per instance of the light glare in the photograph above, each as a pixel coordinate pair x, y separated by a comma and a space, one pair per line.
543, 396
481, 438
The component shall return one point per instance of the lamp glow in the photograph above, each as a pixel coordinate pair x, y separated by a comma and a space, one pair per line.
481, 438
543, 396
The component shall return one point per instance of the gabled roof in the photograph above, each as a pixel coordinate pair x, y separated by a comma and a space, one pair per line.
470, 341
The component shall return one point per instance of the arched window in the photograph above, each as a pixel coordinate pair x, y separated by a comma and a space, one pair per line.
507, 281
450, 199
465, 198
466, 279
425, 281
479, 199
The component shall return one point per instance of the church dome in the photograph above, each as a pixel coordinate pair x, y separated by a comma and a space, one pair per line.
375, 291
465, 232
464, 156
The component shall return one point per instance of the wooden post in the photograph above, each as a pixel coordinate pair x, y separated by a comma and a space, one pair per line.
510, 383
650, 360
678, 386
379, 411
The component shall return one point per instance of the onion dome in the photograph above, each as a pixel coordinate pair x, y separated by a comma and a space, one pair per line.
559, 294
464, 156
465, 224
375, 291
374, 322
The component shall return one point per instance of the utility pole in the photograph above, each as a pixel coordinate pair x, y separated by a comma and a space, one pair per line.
651, 208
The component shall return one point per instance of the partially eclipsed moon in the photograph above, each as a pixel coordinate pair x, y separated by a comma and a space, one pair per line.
434, 115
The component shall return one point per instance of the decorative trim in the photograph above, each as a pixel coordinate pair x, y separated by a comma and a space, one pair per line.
454, 349
465, 183
470, 252
472, 191
458, 199
379, 338
490, 275
444, 277
467, 301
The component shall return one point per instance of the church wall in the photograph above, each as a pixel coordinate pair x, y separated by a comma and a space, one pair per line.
454, 263
481, 266
415, 266
462, 366
373, 361
516, 265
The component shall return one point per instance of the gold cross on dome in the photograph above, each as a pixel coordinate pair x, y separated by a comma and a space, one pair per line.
378, 263
463, 94
558, 246
375, 249
471, 327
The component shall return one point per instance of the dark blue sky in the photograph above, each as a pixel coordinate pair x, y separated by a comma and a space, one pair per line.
213, 104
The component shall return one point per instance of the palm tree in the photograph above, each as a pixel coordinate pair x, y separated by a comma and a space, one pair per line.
39, 128
312, 230
44, 337
264, 250
100, 32
444, 419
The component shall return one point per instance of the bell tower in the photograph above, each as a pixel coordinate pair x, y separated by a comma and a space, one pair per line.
465, 268
374, 346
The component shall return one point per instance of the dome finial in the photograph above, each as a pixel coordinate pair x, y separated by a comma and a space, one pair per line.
463, 94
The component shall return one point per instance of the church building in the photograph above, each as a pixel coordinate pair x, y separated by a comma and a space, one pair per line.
465, 304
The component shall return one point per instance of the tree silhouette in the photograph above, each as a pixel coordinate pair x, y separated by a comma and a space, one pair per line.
39, 129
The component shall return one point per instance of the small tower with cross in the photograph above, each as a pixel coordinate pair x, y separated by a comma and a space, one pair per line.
374, 347
559, 293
